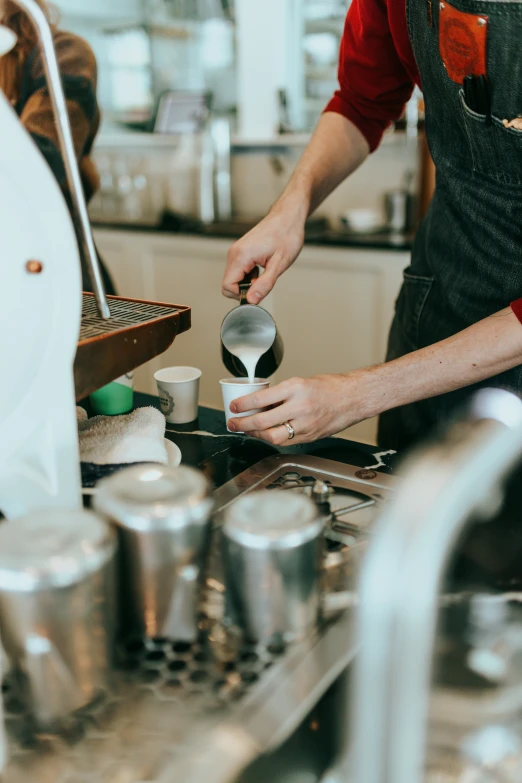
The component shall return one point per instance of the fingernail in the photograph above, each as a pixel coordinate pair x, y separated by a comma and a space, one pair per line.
233, 408
256, 297
231, 426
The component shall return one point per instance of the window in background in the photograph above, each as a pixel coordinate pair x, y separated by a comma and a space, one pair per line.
130, 72
146, 47
324, 23
203, 56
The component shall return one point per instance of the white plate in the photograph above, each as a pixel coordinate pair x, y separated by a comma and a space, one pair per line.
173, 455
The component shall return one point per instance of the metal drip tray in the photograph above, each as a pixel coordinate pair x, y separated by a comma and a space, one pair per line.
354, 495
164, 694
125, 313
173, 704
136, 332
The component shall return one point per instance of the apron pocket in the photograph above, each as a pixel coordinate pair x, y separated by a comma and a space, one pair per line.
410, 304
496, 151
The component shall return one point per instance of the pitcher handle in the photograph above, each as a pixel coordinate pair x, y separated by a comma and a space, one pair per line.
244, 288
245, 284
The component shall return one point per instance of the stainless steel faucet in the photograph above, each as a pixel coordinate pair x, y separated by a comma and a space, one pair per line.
54, 84
447, 487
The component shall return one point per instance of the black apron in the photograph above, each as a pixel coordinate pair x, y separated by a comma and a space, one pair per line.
467, 257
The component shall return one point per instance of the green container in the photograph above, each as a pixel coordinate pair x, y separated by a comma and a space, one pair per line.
115, 398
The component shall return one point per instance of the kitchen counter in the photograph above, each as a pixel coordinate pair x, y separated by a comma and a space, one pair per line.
206, 445
379, 240
317, 233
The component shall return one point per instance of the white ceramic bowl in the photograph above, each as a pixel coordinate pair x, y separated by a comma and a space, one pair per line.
362, 220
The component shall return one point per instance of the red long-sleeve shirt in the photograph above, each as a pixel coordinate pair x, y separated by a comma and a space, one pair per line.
377, 69
377, 72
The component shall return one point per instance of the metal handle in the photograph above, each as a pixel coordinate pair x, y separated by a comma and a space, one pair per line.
244, 288
54, 84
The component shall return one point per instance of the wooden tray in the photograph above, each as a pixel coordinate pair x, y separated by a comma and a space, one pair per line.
136, 332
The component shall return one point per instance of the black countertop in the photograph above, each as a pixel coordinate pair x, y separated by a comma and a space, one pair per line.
484, 558
206, 445
381, 240
317, 232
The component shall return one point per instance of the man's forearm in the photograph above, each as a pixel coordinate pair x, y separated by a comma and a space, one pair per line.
482, 351
336, 149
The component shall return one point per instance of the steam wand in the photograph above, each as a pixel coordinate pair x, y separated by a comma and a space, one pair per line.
54, 83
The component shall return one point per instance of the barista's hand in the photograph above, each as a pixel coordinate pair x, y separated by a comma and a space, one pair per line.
273, 244
316, 408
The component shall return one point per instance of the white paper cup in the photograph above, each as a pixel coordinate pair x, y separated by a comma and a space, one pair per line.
178, 390
234, 388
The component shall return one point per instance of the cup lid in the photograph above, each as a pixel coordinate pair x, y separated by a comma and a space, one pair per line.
271, 519
53, 548
154, 497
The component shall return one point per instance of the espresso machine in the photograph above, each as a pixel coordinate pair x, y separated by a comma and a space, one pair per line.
438, 680
40, 322
57, 345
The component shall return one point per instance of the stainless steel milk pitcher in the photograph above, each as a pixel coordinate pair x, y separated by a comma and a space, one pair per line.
163, 519
251, 327
273, 552
57, 609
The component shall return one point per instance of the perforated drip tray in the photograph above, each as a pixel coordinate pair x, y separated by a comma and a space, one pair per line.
125, 313
168, 698
164, 692
136, 332
179, 668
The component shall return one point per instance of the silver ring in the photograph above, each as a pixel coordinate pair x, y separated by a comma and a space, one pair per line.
291, 431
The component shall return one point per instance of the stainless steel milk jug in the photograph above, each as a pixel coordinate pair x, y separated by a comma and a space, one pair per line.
57, 613
163, 520
251, 327
273, 549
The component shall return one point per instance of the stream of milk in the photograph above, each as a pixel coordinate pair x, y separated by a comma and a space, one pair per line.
249, 355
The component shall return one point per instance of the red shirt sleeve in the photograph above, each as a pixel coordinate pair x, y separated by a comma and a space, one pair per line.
516, 306
374, 83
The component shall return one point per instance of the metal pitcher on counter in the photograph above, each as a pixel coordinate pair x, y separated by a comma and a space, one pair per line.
250, 342
162, 517
57, 609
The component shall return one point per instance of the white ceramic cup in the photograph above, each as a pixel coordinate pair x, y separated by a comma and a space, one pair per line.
178, 390
234, 388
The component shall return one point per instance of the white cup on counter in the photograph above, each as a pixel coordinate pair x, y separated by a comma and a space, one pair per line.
234, 388
178, 390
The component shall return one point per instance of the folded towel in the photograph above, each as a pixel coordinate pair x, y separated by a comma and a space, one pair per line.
122, 440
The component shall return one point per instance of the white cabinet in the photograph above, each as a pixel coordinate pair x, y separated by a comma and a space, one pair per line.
334, 311
180, 269
333, 308
189, 271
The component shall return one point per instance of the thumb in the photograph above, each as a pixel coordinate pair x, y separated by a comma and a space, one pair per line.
261, 287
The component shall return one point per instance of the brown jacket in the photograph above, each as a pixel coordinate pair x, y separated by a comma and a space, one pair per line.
79, 76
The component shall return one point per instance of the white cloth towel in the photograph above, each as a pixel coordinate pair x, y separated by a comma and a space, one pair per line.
117, 440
